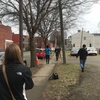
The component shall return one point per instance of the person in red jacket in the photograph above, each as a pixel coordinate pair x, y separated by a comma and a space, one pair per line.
18, 74
83, 56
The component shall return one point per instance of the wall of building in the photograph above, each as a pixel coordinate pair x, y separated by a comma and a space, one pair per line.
81, 38
5, 34
15, 38
7, 37
97, 41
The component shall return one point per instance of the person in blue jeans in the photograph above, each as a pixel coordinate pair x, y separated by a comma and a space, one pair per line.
47, 51
82, 53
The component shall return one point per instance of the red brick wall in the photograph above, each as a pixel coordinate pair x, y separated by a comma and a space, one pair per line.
15, 38
5, 34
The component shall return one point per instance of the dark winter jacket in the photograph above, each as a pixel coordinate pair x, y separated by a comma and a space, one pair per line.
20, 79
57, 51
82, 53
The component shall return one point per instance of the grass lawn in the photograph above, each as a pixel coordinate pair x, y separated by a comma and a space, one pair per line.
58, 89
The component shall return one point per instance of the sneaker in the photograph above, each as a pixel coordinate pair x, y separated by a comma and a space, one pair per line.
82, 69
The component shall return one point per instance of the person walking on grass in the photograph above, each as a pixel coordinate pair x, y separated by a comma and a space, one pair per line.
47, 51
82, 53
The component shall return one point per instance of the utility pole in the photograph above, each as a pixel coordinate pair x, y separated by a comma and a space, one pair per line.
62, 33
21, 25
55, 41
81, 38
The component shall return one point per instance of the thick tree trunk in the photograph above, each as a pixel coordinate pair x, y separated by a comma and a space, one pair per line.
32, 53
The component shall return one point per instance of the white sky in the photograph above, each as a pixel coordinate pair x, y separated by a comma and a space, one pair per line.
92, 19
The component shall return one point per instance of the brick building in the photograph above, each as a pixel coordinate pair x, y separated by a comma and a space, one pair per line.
16, 40
5, 36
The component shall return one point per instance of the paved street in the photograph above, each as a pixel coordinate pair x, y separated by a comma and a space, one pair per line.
26, 55
94, 60
90, 59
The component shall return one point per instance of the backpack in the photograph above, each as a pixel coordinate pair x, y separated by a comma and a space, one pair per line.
54, 76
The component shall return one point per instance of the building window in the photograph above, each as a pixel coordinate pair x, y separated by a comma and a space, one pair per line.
90, 45
73, 45
84, 38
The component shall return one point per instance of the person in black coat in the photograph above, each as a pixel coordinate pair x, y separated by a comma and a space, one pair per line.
18, 74
82, 53
57, 52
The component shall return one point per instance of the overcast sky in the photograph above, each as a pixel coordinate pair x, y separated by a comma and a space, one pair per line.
92, 19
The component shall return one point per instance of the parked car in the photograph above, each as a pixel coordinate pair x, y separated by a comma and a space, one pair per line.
92, 51
1, 50
74, 51
1, 57
40, 53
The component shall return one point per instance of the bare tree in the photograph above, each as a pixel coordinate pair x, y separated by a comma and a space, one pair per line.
35, 11
55, 38
47, 25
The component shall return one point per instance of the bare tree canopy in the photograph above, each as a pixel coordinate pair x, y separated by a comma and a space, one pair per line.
36, 12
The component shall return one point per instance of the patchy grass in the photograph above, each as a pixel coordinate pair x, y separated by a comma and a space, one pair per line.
68, 52
62, 88
58, 89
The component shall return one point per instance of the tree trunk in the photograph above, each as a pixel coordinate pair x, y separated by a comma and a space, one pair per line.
32, 53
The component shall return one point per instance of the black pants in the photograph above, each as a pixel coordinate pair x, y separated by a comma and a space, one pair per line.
57, 56
47, 59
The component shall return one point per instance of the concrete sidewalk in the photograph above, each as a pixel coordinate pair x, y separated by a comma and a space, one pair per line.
40, 79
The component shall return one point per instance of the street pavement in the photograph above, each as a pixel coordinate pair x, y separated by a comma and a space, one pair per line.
40, 79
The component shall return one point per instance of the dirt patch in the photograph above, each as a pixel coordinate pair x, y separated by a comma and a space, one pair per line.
88, 86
